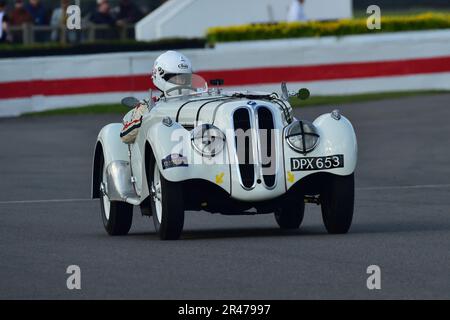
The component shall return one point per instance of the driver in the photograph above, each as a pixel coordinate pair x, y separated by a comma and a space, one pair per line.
170, 70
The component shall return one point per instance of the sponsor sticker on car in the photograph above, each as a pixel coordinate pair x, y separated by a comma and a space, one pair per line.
317, 163
174, 160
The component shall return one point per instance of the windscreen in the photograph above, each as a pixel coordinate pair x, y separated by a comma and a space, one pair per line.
184, 84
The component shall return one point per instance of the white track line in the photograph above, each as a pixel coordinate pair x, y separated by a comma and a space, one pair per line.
423, 186
44, 201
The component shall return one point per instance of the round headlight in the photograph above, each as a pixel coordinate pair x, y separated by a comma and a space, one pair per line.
302, 136
208, 140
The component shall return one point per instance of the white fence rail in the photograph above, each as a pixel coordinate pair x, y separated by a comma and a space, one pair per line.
331, 65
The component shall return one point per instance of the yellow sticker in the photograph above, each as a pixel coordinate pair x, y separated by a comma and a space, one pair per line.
219, 178
291, 177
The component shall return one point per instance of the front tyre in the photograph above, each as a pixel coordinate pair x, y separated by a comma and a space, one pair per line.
167, 204
116, 216
290, 214
337, 201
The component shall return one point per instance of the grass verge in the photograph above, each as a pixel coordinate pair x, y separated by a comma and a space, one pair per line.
94, 109
344, 27
312, 101
366, 97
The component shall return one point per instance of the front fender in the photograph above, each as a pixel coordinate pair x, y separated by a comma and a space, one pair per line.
176, 140
113, 147
108, 148
336, 137
165, 141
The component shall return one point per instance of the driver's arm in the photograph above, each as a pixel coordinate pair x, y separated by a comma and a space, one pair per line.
131, 126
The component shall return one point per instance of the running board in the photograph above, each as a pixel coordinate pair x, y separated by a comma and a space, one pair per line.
119, 183
133, 201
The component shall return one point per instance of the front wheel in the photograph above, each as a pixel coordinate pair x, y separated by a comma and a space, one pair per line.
167, 204
116, 216
337, 201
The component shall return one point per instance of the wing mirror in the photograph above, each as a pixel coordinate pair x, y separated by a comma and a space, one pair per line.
130, 102
302, 94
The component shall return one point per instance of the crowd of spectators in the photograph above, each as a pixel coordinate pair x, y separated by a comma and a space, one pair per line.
36, 12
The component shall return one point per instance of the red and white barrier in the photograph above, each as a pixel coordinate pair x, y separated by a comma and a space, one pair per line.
330, 65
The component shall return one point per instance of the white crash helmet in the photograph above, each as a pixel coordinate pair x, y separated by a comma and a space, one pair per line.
171, 69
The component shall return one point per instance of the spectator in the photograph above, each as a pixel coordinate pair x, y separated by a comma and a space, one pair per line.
19, 15
296, 11
59, 17
127, 13
103, 13
38, 12
3, 22
103, 16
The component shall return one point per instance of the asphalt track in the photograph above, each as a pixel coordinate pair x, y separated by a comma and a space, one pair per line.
401, 222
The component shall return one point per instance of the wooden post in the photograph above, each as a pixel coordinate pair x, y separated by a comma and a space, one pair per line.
31, 33
26, 30
123, 32
91, 32
62, 34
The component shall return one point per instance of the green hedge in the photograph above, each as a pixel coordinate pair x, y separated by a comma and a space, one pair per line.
343, 27
52, 49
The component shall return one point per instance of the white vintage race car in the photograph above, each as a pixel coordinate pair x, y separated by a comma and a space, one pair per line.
243, 152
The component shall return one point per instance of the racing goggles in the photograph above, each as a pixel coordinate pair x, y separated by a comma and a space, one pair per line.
181, 79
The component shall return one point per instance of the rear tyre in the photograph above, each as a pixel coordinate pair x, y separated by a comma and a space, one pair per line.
337, 201
290, 214
117, 216
166, 203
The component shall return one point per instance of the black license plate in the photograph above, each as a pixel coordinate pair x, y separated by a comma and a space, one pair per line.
317, 163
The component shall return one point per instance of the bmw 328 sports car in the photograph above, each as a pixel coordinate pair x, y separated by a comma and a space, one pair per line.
239, 152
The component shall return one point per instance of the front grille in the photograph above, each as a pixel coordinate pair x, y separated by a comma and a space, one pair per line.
267, 145
244, 146
247, 146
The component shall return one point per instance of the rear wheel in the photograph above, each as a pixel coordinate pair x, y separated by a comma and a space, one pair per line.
337, 200
116, 216
290, 214
166, 203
